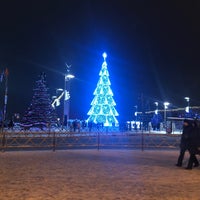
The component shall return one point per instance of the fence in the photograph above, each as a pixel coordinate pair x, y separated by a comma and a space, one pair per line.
98, 139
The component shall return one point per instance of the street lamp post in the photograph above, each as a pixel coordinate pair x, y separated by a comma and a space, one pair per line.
68, 77
136, 118
187, 109
136, 112
166, 104
156, 111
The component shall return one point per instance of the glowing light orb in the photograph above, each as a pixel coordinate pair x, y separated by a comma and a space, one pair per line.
69, 76
104, 55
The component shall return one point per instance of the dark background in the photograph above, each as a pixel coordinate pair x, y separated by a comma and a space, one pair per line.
152, 47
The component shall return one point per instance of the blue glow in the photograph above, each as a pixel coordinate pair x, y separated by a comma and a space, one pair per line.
102, 106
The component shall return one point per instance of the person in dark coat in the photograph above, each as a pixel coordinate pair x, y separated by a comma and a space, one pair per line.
193, 146
192, 159
188, 129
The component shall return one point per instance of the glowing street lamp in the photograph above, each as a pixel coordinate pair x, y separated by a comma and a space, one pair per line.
68, 77
187, 109
166, 104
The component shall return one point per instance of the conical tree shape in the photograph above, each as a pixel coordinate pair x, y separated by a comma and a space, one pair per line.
103, 105
40, 112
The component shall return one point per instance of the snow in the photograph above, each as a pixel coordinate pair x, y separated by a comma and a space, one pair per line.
96, 175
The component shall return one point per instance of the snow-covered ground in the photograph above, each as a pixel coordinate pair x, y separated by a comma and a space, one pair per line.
96, 175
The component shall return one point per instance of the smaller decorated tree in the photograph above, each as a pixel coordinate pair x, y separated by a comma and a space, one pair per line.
40, 113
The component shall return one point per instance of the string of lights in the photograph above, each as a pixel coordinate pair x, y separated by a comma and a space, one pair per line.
170, 110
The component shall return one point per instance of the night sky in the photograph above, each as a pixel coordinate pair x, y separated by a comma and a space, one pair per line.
152, 46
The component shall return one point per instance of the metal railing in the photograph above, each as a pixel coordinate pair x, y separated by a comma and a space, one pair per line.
51, 139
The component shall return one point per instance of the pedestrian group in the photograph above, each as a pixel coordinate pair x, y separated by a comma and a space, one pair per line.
190, 141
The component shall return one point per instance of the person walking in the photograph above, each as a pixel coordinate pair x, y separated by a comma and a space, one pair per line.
193, 145
192, 159
187, 129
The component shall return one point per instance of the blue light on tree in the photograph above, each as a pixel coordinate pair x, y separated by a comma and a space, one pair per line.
103, 105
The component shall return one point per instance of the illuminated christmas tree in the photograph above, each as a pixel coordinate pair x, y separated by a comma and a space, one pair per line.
40, 113
103, 105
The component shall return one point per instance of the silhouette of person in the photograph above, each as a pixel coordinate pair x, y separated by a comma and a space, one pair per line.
187, 129
193, 144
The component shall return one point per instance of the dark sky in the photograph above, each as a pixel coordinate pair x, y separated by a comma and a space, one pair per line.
152, 47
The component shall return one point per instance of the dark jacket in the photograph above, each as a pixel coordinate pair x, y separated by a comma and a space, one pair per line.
193, 140
186, 136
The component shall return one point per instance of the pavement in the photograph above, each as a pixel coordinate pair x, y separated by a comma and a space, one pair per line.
96, 175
